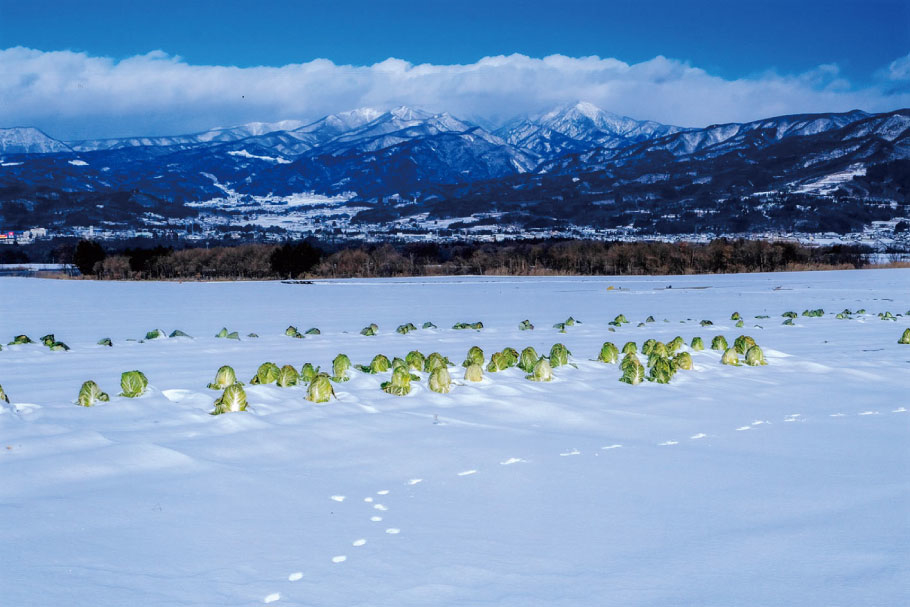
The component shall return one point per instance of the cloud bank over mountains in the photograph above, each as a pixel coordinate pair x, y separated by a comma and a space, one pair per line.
73, 95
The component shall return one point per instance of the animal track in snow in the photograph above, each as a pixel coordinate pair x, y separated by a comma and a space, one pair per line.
667, 443
297, 575
698, 436
359, 542
414, 481
272, 597
467, 473
338, 498
512, 460
393, 531
572, 452
339, 559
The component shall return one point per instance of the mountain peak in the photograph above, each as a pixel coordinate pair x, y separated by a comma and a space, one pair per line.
29, 140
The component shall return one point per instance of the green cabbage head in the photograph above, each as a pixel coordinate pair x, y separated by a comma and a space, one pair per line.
719, 343
697, 344
59, 346
133, 384
223, 378
675, 344
475, 357
528, 359
155, 334
266, 374
340, 367
3, 396
683, 360
20, 340
291, 331
90, 393
313, 331
511, 355
428, 325
743, 343
415, 360
440, 380
498, 362
525, 325
905, 338
559, 355
633, 373
630, 347
370, 330
661, 371
473, 372
320, 389
105, 341
435, 361
232, 401
730, 357
755, 357
288, 377
308, 373
542, 371
178, 333
400, 384
48, 340
706, 323
406, 328
735, 316
609, 353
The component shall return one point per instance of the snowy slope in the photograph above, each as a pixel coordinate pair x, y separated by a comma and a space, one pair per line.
29, 140
778, 485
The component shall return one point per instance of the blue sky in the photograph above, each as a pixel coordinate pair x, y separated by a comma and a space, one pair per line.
827, 55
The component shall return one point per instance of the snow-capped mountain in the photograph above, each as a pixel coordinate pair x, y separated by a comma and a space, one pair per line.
29, 140
577, 127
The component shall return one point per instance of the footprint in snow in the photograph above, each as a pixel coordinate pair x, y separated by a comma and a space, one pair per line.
272, 597
467, 473
668, 443
698, 436
572, 452
297, 575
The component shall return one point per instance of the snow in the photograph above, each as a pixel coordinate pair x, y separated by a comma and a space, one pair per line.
578, 492
245, 154
78, 163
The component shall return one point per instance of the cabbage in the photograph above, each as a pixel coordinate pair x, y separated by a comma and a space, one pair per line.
525, 325
90, 393
287, 377
233, 400
649, 319
629, 360
400, 384
468, 325
48, 340
435, 361
818, 313
308, 373
561, 326
3, 396
755, 357
477, 326
658, 349
59, 346
291, 331
234, 335
154, 334
559, 355
223, 378
20, 340
789, 322
440, 380
648, 346
661, 371
266, 374
222, 333
340, 367
528, 359
641, 324
706, 323
719, 343
473, 372
320, 389
730, 357
887, 316
905, 338
740, 324
683, 360
630, 347
498, 362
475, 357
697, 344
428, 325
571, 322
178, 333
133, 383
405, 329
675, 344
789, 315
609, 353
621, 319
105, 341
252, 335
633, 372
313, 331
542, 371
735, 316
379, 364
415, 360
370, 330
743, 343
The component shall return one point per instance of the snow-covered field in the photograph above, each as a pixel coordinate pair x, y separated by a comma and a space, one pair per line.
779, 485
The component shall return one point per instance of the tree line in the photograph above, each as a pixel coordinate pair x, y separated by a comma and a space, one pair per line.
306, 259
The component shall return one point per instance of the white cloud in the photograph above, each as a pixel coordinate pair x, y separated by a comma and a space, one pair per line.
74, 95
